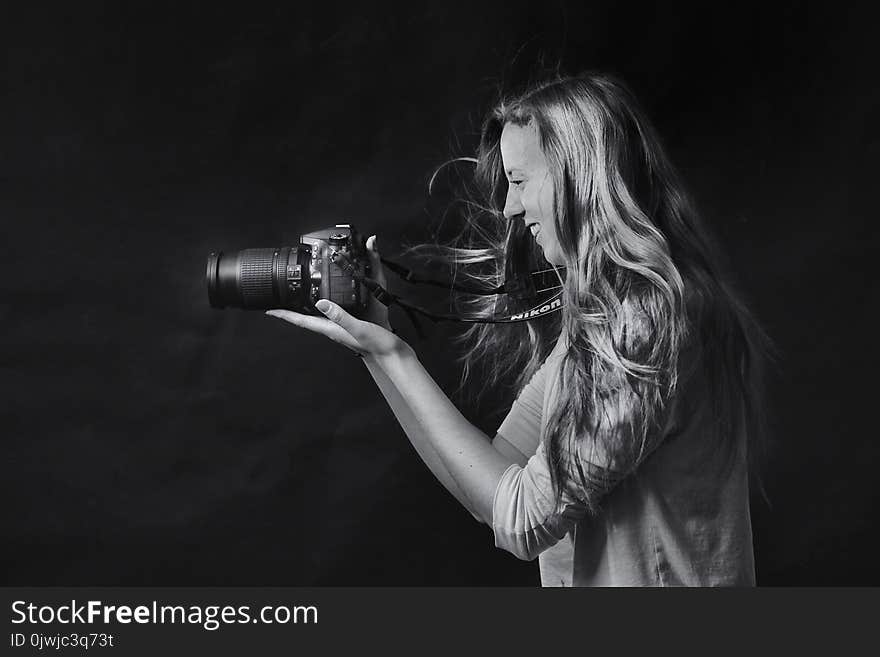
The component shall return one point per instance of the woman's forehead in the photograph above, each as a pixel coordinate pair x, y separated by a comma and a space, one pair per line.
521, 147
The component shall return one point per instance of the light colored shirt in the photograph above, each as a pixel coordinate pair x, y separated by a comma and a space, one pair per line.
681, 519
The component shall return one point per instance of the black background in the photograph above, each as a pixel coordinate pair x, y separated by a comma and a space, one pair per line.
148, 439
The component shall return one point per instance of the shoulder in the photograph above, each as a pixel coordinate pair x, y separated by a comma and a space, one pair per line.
643, 316
635, 319
663, 339
636, 328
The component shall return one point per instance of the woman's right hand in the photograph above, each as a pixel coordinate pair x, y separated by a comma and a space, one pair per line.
376, 312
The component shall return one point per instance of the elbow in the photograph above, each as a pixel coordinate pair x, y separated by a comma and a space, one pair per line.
524, 547
523, 520
526, 554
478, 517
520, 528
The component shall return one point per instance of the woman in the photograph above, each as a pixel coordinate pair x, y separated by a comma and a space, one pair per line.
623, 461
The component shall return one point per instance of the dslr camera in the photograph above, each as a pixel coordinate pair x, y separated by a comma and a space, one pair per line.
327, 264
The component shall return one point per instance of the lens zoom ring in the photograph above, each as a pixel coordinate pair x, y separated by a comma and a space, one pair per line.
256, 278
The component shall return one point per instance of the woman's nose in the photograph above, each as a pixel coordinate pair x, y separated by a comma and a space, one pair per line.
512, 206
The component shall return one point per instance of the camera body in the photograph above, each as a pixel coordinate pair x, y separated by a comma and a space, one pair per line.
293, 277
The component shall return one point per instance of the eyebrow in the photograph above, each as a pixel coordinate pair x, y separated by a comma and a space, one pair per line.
510, 172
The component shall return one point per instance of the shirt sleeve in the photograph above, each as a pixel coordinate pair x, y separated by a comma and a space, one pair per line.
525, 518
520, 432
525, 521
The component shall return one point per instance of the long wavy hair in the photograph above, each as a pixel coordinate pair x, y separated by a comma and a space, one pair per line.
641, 283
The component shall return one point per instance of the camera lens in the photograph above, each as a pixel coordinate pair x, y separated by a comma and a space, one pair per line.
259, 279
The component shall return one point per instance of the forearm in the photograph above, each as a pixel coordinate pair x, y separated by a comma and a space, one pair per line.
416, 434
465, 459
464, 452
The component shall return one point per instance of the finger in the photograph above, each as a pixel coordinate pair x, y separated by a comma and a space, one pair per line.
376, 260
320, 325
338, 316
373, 249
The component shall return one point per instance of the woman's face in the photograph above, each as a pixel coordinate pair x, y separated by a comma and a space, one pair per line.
530, 195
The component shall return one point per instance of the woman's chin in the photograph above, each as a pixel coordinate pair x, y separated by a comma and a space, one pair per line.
550, 257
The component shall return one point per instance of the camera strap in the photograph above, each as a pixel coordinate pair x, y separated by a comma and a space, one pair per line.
524, 288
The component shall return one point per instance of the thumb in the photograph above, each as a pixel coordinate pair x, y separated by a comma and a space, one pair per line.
338, 316
378, 271
373, 247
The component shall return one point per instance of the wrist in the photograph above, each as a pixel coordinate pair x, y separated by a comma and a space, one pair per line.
400, 352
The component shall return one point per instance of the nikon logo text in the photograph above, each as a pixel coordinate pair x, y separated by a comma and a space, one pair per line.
546, 308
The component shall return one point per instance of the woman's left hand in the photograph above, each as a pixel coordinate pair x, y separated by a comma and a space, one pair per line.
368, 337
363, 337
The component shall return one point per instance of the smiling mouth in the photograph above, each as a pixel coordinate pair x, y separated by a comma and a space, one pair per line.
534, 228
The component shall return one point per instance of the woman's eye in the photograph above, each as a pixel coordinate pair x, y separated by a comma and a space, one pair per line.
516, 182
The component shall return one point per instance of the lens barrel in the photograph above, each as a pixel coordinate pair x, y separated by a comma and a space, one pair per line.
260, 279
